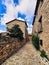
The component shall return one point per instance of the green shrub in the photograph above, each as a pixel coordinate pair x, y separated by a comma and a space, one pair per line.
43, 54
35, 42
15, 32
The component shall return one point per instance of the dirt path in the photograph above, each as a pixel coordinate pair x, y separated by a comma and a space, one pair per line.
27, 55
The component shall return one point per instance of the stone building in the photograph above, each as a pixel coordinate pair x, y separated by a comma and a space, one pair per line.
41, 23
22, 24
30, 36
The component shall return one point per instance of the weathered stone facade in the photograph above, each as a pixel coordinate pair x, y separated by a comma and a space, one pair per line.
22, 24
41, 21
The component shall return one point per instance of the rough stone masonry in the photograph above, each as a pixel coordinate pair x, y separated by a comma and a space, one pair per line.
41, 23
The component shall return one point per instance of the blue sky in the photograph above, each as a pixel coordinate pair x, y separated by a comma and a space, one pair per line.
21, 9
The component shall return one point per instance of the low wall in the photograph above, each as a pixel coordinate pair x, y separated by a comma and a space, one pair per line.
9, 48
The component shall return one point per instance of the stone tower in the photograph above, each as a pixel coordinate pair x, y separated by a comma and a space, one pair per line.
41, 23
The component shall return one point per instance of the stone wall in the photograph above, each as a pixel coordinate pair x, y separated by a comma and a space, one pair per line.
8, 48
44, 35
21, 24
45, 24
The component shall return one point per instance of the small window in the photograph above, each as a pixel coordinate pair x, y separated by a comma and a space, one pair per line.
41, 42
41, 0
41, 3
40, 20
12, 25
40, 25
0, 35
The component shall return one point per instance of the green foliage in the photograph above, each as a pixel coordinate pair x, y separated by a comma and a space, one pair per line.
35, 42
15, 32
43, 54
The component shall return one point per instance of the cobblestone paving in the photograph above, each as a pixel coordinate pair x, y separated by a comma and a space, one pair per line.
27, 55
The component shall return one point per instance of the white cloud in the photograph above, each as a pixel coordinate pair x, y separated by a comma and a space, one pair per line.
10, 11
26, 7
1, 31
29, 25
21, 19
29, 30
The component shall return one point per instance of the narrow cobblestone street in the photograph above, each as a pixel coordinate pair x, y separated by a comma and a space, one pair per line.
27, 55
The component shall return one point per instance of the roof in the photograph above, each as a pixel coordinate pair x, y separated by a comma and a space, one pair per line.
36, 9
17, 20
